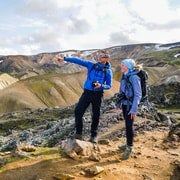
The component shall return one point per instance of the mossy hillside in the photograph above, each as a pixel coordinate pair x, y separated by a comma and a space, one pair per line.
8, 103
64, 89
168, 56
52, 89
41, 87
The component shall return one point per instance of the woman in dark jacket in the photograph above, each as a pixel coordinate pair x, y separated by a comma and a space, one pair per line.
130, 90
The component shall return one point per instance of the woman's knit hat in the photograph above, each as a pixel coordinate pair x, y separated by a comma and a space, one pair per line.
129, 63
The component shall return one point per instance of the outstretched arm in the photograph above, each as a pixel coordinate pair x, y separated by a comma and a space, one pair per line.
82, 62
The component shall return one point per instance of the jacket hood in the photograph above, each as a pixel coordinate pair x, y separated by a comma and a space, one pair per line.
101, 66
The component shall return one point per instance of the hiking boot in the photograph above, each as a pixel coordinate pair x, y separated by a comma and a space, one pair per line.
127, 153
93, 139
123, 147
78, 136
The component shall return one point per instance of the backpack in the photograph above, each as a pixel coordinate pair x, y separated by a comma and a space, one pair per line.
143, 75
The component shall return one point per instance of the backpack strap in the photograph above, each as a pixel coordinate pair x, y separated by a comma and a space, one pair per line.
127, 86
96, 67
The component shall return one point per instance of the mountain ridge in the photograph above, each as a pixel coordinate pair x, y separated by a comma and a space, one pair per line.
161, 65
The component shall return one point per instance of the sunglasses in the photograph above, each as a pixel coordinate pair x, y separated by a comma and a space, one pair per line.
103, 56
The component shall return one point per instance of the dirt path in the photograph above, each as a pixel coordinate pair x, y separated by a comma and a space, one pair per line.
151, 160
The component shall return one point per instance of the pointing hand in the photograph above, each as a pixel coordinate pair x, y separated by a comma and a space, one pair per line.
60, 59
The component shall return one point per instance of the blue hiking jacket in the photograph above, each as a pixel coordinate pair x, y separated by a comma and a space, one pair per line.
94, 74
132, 91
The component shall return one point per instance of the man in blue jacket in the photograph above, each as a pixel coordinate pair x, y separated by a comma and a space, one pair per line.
99, 78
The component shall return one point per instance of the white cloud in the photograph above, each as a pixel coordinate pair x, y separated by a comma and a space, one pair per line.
53, 25
151, 11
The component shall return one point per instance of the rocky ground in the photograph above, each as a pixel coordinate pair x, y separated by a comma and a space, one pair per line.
153, 158
156, 152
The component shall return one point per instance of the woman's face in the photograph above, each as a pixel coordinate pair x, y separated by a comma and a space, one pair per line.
124, 68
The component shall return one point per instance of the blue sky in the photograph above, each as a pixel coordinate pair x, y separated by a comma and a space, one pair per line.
29, 27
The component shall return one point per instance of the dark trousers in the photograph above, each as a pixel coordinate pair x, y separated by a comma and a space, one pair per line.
128, 125
87, 98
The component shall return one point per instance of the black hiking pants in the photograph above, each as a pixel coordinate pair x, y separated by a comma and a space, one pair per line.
88, 97
128, 125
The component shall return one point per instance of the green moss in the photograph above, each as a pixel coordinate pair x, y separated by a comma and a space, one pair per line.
167, 56
45, 151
